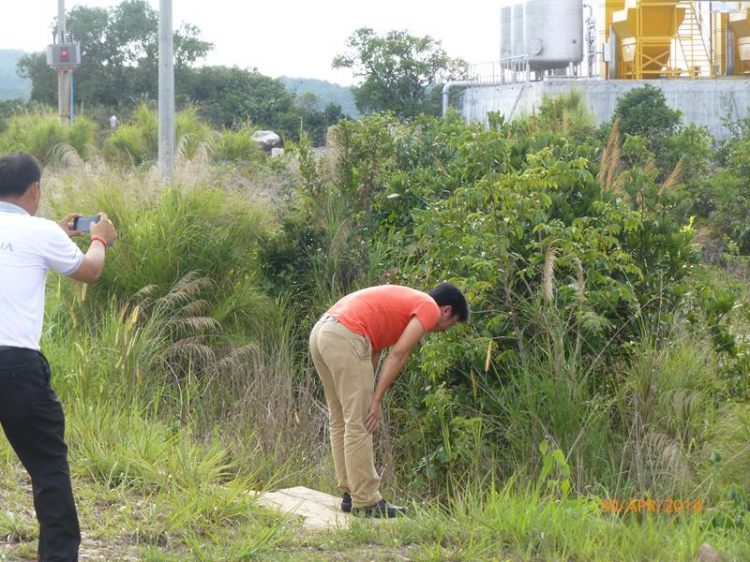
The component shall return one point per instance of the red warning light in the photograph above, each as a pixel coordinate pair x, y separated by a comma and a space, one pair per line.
64, 55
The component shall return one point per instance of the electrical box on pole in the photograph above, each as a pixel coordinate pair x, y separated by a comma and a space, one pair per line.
64, 56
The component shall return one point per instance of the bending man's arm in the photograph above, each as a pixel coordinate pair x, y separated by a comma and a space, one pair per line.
391, 368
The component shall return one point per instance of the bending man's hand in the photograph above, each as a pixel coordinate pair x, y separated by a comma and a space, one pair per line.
372, 419
391, 368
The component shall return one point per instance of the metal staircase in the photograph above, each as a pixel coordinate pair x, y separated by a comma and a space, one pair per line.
691, 44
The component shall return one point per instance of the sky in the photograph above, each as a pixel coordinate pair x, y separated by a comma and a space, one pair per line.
296, 38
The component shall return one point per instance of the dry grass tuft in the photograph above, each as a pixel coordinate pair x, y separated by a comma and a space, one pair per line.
610, 158
548, 275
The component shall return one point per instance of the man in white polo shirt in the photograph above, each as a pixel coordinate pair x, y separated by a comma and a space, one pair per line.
30, 413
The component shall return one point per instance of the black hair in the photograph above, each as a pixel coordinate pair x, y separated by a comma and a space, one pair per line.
448, 294
17, 172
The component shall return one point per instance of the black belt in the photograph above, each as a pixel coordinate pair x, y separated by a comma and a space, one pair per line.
13, 348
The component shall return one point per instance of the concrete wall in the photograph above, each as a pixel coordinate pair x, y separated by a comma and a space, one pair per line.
703, 102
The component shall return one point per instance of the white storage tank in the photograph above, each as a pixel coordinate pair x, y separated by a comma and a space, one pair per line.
517, 31
506, 37
553, 33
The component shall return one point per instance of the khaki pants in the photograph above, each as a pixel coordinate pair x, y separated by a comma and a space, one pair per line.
343, 361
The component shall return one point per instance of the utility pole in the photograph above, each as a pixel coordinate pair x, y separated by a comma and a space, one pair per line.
166, 92
63, 78
64, 56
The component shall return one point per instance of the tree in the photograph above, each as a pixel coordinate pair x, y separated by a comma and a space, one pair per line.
119, 55
233, 97
644, 112
43, 80
401, 72
230, 97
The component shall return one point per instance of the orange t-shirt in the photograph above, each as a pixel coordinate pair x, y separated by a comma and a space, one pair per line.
382, 313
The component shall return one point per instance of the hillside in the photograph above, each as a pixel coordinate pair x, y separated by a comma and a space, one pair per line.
327, 93
11, 85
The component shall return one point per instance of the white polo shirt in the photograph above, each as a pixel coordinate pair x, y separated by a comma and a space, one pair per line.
29, 248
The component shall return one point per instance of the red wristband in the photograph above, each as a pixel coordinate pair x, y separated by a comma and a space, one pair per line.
97, 239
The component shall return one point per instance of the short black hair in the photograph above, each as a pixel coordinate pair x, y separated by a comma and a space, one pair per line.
17, 172
448, 294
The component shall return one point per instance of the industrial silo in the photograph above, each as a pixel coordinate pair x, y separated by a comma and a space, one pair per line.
553, 32
506, 34
518, 44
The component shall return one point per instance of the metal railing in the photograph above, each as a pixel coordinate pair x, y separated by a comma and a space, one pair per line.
509, 70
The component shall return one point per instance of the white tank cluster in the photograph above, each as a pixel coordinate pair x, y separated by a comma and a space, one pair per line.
517, 31
549, 32
506, 32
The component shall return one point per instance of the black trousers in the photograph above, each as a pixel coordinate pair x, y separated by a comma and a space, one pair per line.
33, 420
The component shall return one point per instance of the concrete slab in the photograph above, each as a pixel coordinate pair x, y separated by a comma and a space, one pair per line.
319, 511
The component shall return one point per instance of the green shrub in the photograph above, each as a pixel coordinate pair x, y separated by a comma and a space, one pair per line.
236, 146
644, 112
569, 252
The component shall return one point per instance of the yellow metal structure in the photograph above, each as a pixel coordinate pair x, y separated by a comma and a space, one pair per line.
739, 23
650, 39
646, 30
604, 17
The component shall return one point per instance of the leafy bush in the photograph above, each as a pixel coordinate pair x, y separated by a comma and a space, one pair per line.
567, 251
722, 195
644, 112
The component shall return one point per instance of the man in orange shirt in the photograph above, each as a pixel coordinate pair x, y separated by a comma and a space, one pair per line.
345, 346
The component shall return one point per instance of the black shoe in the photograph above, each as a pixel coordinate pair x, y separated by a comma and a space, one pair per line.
381, 510
346, 503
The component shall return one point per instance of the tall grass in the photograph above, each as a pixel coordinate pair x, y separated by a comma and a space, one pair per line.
134, 144
191, 132
236, 146
41, 134
137, 141
518, 522
178, 326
